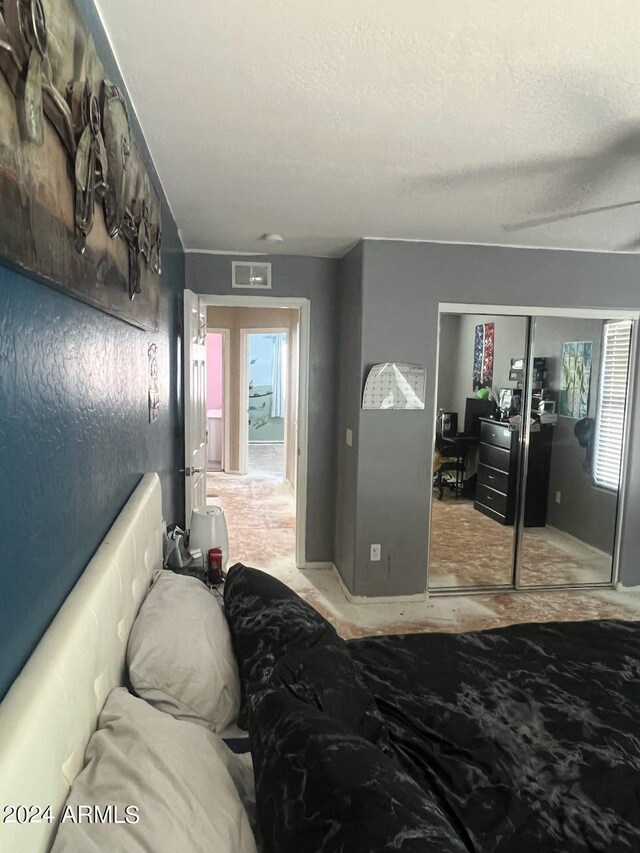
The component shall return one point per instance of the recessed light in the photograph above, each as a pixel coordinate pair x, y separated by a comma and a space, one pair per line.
272, 238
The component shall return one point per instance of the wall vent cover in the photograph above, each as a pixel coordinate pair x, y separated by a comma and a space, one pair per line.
253, 276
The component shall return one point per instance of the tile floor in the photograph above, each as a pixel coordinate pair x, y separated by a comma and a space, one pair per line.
261, 519
266, 461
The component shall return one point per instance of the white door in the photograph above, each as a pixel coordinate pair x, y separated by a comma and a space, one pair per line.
195, 403
293, 454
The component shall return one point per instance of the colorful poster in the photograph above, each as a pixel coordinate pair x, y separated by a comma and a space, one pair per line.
483, 356
576, 379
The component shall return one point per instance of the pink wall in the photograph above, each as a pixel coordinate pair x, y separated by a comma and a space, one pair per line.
214, 371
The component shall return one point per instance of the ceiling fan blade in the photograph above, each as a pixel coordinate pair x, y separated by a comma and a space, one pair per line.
631, 246
560, 217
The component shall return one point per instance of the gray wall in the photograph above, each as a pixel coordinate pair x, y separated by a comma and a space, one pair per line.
586, 511
314, 279
394, 447
348, 415
402, 285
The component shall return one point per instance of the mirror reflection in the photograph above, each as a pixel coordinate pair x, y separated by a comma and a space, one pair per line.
578, 409
476, 454
528, 452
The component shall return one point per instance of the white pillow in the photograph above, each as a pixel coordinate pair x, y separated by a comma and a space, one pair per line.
176, 775
180, 655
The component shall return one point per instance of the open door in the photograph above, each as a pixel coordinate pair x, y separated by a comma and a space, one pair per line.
292, 441
195, 405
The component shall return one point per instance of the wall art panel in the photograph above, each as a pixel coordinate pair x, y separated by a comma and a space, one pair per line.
77, 208
483, 356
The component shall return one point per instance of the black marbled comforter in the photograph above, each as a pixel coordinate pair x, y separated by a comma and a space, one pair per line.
507, 741
528, 736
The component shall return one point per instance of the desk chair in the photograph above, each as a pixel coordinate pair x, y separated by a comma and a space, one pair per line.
451, 456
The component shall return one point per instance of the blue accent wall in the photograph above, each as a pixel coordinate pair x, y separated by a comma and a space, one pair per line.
75, 437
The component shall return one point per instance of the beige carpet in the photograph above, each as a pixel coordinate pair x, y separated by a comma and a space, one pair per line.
469, 549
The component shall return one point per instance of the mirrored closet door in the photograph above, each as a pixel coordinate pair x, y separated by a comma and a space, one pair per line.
528, 454
574, 439
476, 457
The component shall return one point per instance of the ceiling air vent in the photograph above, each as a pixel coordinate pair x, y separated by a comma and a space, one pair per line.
254, 276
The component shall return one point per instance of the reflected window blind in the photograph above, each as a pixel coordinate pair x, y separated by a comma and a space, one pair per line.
616, 345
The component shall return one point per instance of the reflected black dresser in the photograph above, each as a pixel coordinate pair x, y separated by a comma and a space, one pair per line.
497, 486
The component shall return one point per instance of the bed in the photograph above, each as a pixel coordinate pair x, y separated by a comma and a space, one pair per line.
528, 736
519, 739
525, 738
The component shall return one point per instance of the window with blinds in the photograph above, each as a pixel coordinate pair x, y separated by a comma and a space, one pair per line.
612, 400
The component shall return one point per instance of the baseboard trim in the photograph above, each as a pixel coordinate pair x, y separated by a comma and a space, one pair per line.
366, 599
621, 587
376, 599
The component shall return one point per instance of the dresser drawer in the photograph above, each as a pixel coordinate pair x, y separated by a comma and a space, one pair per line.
495, 457
490, 513
495, 433
498, 480
497, 501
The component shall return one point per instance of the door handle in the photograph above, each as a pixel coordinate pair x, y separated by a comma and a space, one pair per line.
191, 471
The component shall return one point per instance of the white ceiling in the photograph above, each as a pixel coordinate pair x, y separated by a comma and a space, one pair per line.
331, 120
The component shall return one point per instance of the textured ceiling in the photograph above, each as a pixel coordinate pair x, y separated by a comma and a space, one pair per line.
329, 121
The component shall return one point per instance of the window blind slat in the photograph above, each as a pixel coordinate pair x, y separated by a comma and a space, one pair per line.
612, 400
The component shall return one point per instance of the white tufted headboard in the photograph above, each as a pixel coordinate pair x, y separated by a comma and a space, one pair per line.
52, 708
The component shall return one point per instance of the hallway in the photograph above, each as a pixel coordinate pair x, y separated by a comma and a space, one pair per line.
260, 510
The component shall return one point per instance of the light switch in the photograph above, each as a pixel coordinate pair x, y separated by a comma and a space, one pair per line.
349, 438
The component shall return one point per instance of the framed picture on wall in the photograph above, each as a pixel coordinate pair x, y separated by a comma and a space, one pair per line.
576, 379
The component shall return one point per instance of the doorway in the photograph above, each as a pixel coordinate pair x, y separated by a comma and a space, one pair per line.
529, 452
261, 481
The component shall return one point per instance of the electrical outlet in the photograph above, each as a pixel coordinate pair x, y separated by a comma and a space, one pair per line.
558, 497
349, 438
376, 553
